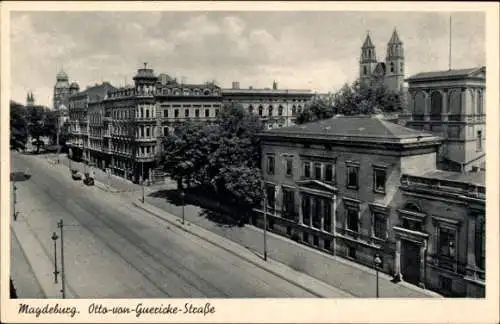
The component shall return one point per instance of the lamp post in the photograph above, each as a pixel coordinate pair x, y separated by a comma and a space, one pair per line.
378, 262
142, 181
265, 223
63, 283
14, 200
54, 238
182, 194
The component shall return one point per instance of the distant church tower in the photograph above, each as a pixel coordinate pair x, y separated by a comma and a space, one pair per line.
30, 99
390, 73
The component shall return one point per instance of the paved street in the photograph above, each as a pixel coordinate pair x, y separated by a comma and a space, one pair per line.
113, 250
350, 277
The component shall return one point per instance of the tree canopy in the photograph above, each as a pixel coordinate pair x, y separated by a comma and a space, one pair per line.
352, 100
223, 157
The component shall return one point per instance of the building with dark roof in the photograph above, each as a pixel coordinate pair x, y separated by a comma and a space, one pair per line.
276, 107
451, 104
335, 185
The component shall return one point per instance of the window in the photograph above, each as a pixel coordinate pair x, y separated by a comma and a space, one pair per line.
317, 171
165, 131
327, 215
351, 252
392, 66
365, 70
306, 210
294, 111
307, 169
479, 141
447, 244
142, 131
329, 173
316, 212
216, 112
402, 67
197, 113
270, 164
280, 110
446, 284
165, 113
289, 167
436, 105
147, 113
352, 176
147, 132
176, 113
352, 219
288, 204
270, 196
380, 225
270, 109
207, 113
260, 110
186, 112
480, 245
379, 179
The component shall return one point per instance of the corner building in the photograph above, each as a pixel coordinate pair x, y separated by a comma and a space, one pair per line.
335, 185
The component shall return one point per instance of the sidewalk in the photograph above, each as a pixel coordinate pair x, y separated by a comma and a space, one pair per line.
348, 276
302, 280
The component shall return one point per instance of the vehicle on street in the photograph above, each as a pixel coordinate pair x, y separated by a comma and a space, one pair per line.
89, 179
76, 175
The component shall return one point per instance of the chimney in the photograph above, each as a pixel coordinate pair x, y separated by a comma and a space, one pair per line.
236, 85
275, 85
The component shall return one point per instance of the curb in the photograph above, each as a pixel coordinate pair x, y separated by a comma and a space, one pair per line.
315, 293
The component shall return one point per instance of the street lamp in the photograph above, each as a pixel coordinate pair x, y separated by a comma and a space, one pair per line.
63, 283
14, 194
182, 194
378, 262
142, 181
265, 223
54, 238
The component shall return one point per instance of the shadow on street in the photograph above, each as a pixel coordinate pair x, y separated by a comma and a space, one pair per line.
19, 176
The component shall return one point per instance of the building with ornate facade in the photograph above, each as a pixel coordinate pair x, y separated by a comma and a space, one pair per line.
79, 119
451, 104
390, 72
341, 186
276, 107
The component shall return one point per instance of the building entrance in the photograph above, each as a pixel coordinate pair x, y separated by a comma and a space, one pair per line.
410, 265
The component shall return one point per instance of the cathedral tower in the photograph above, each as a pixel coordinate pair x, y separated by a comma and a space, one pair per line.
30, 99
367, 62
395, 69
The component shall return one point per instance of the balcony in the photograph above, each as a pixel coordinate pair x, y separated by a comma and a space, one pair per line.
145, 139
145, 119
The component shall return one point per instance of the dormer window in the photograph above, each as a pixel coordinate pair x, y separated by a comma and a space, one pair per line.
206, 92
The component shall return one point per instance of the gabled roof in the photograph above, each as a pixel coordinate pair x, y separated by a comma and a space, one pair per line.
395, 38
96, 92
368, 42
449, 74
354, 128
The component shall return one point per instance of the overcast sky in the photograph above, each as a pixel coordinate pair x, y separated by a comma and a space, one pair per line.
306, 50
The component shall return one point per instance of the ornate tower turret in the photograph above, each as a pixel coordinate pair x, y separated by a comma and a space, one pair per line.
367, 62
30, 99
395, 63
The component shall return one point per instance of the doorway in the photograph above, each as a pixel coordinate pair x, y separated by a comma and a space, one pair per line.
410, 267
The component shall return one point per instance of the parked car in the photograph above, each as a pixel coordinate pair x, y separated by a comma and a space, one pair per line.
89, 180
76, 175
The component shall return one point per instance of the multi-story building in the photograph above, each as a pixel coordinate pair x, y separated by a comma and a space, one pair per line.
276, 107
451, 105
79, 119
336, 185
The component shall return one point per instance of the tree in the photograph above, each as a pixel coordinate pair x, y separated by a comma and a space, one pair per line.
36, 125
352, 99
18, 126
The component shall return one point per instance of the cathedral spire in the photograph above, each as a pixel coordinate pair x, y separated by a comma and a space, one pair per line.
368, 41
395, 38
368, 51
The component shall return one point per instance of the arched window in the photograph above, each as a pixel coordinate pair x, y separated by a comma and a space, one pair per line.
479, 105
206, 92
261, 109
280, 110
402, 67
294, 110
454, 105
392, 66
270, 110
436, 105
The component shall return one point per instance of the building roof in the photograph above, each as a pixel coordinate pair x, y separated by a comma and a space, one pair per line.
368, 42
96, 92
448, 74
475, 178
62, 76
252, 91
354, 128
395, 38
